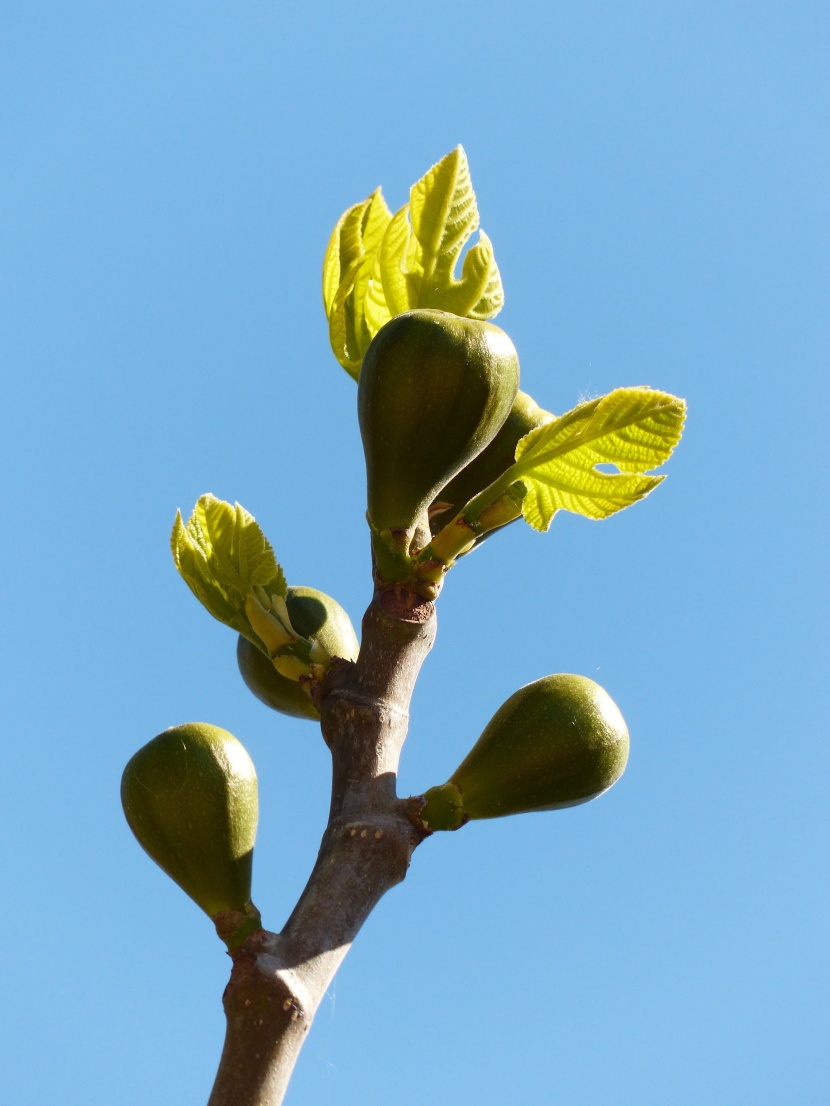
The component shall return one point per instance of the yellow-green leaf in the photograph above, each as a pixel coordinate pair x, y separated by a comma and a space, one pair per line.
375, 306
377, 265
633, 429
443, 214
222, 555
358, 231
395, 264
478, 294
347, 272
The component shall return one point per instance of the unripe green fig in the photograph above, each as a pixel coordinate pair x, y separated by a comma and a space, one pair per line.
525, 415
434, 390
316, 616
554, 743
190, 798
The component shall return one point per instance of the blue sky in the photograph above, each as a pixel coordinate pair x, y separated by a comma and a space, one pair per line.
654, 178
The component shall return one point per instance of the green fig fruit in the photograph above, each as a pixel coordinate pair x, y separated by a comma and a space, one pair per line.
525, 415
434, 391
555, 743
317, 617
190, 798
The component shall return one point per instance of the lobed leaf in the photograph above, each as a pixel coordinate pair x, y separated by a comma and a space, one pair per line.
378, 265
634, 429
442, 215
222, 555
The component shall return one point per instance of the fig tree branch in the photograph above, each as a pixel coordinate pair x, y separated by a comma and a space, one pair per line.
278, 979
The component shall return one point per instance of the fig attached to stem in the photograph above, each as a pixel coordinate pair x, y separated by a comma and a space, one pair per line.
525, 415
434, 390
190, 798
319, 619
557, 742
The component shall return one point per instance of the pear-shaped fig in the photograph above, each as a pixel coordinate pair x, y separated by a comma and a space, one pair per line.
434, 391
317, 617
555, 743
190, 798
525, 415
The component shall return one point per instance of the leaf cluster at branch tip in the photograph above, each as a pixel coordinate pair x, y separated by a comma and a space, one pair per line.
378, 265
224, 558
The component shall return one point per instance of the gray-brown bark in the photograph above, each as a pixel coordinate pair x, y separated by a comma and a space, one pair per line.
278, 980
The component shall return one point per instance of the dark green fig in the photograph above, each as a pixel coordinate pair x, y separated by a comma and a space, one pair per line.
525, 415
434, 391
316, 616
190, 798
555, 743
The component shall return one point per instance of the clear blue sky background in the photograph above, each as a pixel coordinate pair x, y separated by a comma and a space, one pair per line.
654, 177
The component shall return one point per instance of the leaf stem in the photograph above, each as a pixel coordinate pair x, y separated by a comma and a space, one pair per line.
491, 493
492, 508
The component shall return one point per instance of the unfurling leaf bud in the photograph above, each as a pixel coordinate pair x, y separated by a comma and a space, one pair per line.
190, 798
322, 621
555, 743
433, 392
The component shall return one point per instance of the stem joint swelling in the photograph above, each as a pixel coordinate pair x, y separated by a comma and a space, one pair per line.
268, 1012
261, 988
371, 842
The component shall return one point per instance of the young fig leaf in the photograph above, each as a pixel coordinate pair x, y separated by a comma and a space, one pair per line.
443, 213
378, 266
433, 392
320, 620
554, 743
347, 275
223, 556
190, 798
634, 429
